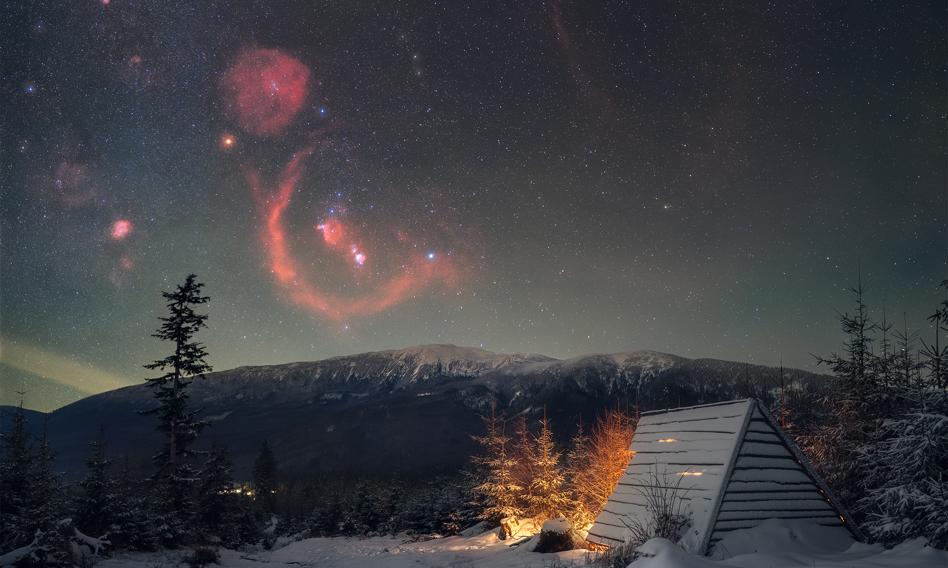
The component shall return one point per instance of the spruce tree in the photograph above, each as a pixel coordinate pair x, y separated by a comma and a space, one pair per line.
96, 505
264, 481
546, 497
15, 484
936, 352
524, 456
176, 477
907, 368
498, 490
578, 461
46, 509
217, 503
595, 471
854, 405
905, 474
133, 526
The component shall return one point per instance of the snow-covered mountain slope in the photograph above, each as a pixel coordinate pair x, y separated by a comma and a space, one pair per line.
410, 409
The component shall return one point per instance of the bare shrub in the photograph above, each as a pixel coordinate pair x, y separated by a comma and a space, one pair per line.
664, 507
616, 557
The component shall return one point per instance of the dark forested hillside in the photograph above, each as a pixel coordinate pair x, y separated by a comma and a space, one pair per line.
404, 411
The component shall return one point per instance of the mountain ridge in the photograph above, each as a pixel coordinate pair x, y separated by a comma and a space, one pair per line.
409, 410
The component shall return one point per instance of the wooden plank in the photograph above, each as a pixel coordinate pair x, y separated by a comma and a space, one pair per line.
797, 495
777, 504
777, 461
771, 476
690, 419
821, 512
763, 438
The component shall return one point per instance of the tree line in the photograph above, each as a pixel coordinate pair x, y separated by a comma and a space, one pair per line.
878, 432
521, 473
190, 498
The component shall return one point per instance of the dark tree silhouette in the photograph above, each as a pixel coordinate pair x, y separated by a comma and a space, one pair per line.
264, 480
180, 425
217, 500
15, 481
96, 505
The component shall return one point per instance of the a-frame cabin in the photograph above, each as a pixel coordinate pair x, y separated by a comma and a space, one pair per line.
736, 468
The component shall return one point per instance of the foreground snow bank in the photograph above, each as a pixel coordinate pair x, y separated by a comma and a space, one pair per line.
774, 544
792, 544
481, 551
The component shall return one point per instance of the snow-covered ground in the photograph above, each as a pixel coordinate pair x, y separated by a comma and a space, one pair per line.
457, 551
774, 544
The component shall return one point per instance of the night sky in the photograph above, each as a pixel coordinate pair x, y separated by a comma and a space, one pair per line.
555, 177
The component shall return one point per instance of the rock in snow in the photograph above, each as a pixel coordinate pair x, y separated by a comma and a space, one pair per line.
557, 535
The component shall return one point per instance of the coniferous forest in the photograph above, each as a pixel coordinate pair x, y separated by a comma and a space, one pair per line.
876, 429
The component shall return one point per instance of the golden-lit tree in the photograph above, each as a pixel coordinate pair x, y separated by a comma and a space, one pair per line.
577, 460
523, 455
498, 490
546, 496
595, 471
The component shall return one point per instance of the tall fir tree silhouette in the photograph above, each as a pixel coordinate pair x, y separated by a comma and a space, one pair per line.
180, 425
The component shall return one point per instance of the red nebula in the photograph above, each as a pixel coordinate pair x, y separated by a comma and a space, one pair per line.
415, 272
121, 229
333, 232
264, 90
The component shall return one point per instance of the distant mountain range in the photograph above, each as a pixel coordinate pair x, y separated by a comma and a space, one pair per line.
408, 411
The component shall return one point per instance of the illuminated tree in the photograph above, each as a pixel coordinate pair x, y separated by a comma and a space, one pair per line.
598, 468
578, 462
545, 496
524, 457
498, 490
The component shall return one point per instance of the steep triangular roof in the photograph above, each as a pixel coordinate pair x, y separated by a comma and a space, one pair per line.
734, 467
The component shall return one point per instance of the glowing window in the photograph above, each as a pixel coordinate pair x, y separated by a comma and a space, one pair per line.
667, 440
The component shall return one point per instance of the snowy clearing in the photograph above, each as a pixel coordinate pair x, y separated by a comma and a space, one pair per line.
774, 544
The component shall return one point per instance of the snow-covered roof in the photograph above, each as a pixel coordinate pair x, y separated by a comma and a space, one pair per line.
733, 467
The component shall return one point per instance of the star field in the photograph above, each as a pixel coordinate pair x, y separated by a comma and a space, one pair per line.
558, 177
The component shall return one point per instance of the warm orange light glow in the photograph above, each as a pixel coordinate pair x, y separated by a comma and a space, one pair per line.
228, 141
667, 440
690, 473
